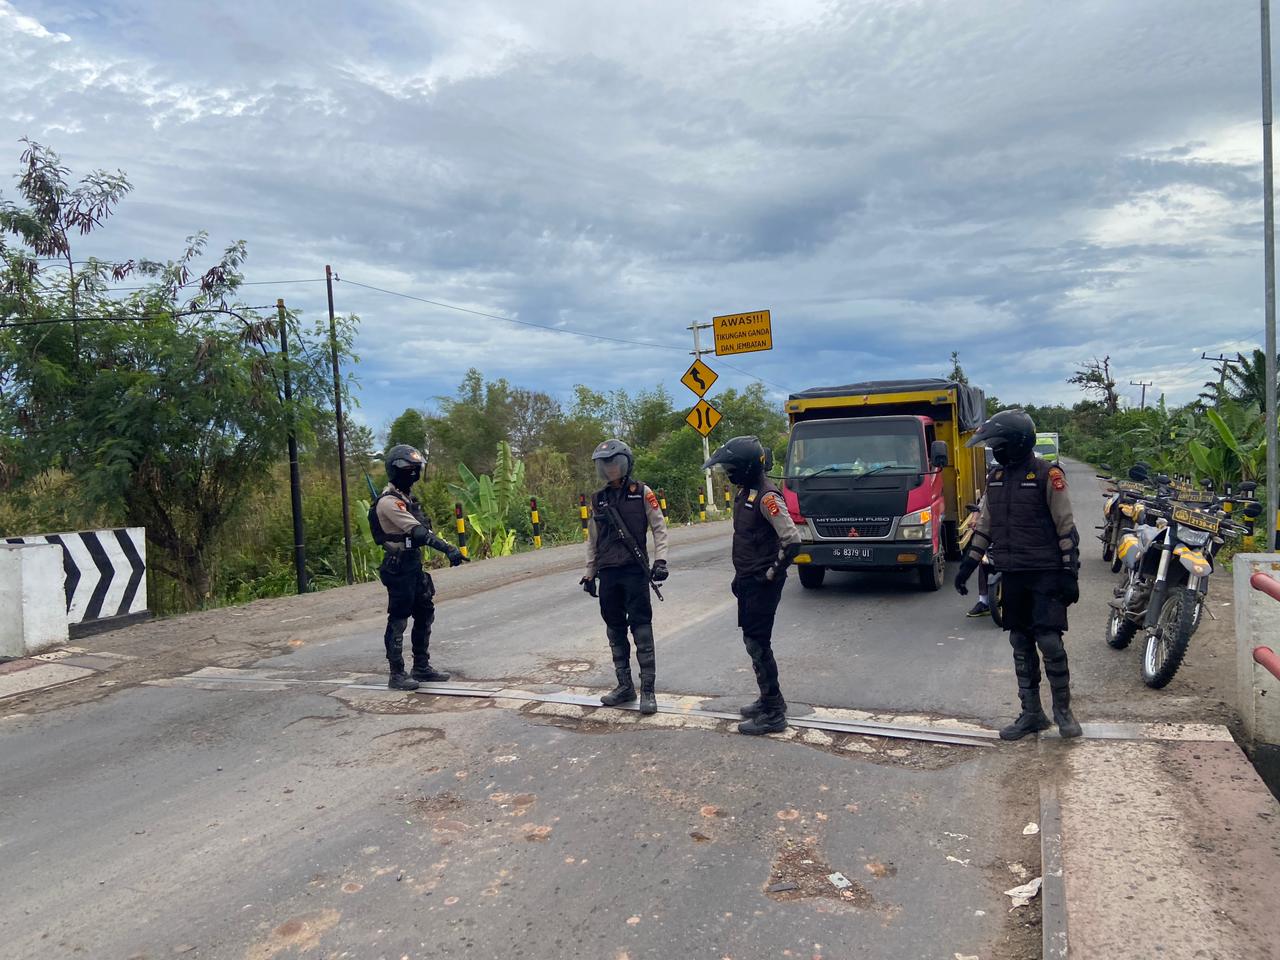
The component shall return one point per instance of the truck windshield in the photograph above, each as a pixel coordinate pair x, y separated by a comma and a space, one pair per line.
853, 447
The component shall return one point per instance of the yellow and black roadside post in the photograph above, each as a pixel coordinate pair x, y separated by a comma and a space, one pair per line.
462, 529
702, 508
728, 500
583, 515
662, 502
537, 524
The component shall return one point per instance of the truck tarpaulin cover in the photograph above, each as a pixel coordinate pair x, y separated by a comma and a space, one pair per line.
970, 400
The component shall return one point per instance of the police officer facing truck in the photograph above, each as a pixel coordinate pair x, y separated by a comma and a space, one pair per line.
1025, 526
621, 514
402, 529
765, 541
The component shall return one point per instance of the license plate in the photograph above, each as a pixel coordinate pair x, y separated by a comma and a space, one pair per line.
853, 553
1199, 521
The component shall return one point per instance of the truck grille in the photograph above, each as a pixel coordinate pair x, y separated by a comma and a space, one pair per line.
841, 531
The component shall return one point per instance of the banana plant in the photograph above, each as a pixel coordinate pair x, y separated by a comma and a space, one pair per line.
488, 502
1245, 437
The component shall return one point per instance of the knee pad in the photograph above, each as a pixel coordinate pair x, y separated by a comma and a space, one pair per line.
1051, 645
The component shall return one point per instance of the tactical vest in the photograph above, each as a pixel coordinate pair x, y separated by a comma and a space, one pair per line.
755, 542
611, 549
380, 536
1023, 534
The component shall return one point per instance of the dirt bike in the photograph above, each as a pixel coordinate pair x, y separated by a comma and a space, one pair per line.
1164, 599
1121, 511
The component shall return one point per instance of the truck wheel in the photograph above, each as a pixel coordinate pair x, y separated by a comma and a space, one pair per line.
934, 576
951, 540
811, 577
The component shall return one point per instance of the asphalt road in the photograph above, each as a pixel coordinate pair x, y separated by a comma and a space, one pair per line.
262, 819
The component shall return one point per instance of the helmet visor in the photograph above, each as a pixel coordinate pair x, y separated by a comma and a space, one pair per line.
612, 469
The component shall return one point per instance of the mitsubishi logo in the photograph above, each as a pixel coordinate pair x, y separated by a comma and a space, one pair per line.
853, 533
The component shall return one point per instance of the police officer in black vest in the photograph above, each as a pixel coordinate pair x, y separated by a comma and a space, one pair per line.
1025, 526
400, 526
765, 541
622, 513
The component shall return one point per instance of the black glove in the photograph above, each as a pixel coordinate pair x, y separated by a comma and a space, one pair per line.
1069, 587
659, 571
589, 585
785, 556
967, 566
456, 556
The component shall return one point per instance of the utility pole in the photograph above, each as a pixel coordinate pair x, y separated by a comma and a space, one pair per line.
295, 478
1222, 372
1269, 261
697, 329
340, 426
1143, 384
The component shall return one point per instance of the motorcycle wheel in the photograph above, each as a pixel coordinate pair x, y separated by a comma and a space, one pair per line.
1120, 630
997, 604
1109, 544
1167, 643
1116, 562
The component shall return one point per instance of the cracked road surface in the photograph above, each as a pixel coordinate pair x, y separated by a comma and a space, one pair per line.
252, 816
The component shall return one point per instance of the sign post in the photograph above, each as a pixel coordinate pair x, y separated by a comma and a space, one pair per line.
697, 372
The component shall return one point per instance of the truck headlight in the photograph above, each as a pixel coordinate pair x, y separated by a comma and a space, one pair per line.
916, 526
806, 535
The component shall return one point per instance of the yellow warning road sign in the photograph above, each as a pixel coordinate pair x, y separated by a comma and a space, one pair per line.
703, 417
743, 332
699, 378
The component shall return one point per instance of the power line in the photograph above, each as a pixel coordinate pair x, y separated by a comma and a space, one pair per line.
44, 321
543, 326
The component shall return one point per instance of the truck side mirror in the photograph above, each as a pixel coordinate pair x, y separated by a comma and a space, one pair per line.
939, 456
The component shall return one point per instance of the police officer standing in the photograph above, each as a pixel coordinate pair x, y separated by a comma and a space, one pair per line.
765, 541
622, 512
1026, 527
402, 529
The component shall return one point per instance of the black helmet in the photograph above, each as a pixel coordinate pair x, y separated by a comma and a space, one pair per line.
1011, 435
745, 459
404, 466
613, 461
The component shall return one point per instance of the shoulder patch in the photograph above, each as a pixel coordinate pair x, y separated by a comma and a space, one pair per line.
651, 499
400, 505
1057, 478
771, 504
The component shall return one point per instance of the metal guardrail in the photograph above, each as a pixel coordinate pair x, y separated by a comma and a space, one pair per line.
1265, 657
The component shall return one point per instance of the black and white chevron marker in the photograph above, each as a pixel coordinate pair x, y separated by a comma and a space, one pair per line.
106, 572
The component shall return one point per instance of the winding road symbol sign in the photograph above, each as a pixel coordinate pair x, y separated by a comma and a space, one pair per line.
699, 378
703, 417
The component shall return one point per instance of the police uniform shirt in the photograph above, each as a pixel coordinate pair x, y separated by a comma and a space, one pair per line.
396, 517
1056, 499
657, 526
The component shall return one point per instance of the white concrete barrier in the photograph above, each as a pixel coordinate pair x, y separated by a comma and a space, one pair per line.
33, 611
1257, 625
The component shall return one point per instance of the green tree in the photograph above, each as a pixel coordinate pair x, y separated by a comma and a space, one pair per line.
168, 414
410, 427
957, 372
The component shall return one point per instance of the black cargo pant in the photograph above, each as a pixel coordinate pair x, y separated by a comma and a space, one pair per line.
409, 593
624, 602
1036, 618
757, 607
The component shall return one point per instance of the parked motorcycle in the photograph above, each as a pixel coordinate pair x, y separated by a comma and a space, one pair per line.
1122, 510
1164, 599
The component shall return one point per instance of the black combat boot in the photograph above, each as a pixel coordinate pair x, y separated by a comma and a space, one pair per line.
771, 719
1032, 719
752, 709
393, 640
645, 657
1068, 726
625, 691
428, 674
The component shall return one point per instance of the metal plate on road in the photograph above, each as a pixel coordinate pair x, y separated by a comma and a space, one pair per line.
703, 417
699, 378
743, 332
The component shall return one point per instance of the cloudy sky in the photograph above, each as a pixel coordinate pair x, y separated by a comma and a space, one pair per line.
1030, 183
